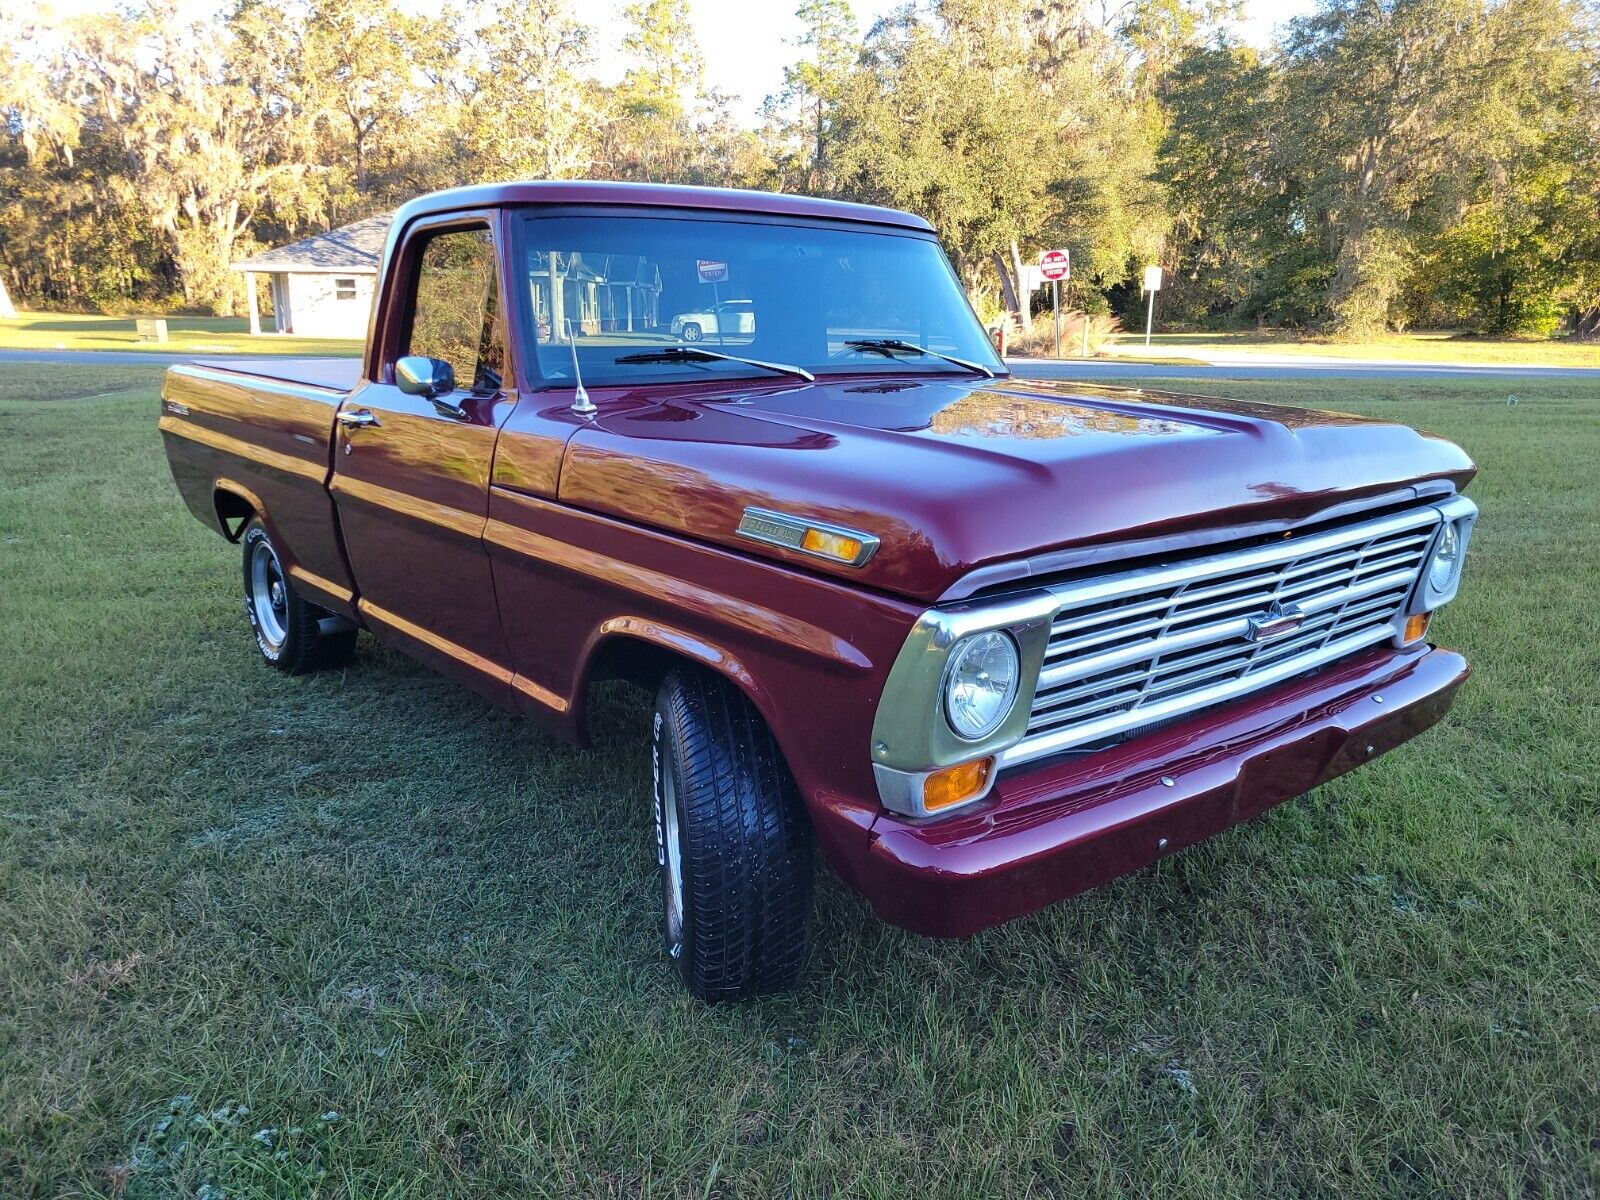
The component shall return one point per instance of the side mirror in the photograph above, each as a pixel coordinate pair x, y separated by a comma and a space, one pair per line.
427, 377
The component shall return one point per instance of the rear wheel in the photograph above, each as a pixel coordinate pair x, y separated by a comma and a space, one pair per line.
733, 842
292, 634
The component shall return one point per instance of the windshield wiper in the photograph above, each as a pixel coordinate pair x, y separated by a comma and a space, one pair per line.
686, 354
888, 346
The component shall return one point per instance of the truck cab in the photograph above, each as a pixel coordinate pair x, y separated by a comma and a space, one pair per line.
982, 641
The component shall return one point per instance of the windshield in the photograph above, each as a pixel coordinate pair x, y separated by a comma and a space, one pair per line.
649, 290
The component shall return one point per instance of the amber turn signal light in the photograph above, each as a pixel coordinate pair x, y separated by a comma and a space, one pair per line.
1416, 628
832, 545
949, 787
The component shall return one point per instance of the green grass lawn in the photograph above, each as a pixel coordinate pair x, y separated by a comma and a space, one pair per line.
359, 935
185, 335
1403, 347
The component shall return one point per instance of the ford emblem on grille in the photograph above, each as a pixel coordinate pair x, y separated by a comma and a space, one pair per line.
1275, 622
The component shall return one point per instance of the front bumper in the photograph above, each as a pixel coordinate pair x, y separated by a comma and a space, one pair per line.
1048, 833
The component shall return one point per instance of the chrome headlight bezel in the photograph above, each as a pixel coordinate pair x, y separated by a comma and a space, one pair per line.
912, 736
1436, 588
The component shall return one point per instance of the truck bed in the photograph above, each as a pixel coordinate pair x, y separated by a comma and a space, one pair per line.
335, 374
255, 435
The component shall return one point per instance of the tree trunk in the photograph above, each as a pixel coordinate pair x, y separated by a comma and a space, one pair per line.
1024, 296
1586, 323
1008, 287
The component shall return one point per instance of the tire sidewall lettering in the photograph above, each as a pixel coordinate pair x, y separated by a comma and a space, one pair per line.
257, 534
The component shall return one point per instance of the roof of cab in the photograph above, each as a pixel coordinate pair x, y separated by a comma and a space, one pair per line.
650, 195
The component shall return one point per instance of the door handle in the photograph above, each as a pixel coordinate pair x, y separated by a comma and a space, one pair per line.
357, 419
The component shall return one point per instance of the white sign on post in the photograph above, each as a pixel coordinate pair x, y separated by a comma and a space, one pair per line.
1152, 285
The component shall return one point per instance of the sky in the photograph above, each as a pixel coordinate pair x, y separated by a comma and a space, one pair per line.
747, 43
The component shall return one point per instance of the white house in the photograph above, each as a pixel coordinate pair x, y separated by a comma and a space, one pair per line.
322, 286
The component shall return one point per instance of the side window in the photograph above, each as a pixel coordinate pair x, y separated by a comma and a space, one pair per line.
344, 288
455, 309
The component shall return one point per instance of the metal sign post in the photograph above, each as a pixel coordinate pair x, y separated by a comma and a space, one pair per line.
1152, 285
1056, 265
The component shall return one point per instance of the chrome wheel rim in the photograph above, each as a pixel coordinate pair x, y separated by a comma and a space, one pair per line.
269, 596
671, 861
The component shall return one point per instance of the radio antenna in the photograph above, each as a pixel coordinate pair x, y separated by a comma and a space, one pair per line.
581, 404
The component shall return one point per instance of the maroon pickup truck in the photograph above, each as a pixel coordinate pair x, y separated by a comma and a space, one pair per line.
986, 641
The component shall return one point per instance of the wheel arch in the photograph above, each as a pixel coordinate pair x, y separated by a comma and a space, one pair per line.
232, 501
643, 652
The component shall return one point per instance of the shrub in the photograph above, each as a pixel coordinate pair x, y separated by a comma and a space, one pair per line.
1041, 342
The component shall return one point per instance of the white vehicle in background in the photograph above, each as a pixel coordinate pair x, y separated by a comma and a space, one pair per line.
736, 317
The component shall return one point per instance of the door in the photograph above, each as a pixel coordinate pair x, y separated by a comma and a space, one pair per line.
411, 476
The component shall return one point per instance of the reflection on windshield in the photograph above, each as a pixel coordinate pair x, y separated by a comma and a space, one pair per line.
753, 289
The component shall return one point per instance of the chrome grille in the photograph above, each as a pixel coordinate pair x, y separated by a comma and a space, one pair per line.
1133, 649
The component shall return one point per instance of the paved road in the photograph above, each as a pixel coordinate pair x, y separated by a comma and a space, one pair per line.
1095, 370
1110, 371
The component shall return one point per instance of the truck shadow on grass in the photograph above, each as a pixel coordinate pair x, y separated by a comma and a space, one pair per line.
548, 850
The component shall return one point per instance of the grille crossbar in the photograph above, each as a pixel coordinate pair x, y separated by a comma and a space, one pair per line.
1132, 649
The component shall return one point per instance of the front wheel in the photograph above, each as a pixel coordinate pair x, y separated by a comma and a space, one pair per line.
292, 634
692, 332
732, 840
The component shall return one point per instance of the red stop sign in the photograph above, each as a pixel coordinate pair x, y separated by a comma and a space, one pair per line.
1055, 264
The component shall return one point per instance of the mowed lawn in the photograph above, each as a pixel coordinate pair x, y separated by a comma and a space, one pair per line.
1423, 347
359, 935
185, 335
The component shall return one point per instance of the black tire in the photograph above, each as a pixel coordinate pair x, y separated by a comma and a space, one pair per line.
724, 797
285, 624
692, 332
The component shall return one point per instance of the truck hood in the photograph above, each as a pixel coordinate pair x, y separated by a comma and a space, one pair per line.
1010, 475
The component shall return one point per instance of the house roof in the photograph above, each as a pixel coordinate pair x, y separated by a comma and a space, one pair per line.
349, 250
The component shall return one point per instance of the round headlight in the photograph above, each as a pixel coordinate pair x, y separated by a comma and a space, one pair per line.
1446, 559
980, 685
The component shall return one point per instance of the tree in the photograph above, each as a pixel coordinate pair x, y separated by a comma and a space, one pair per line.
360, 73
1393, 105
803, 116
1244, 243
663, 89
529, 110
209, 135
942, 120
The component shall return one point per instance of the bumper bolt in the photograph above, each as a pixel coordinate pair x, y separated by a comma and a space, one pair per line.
1161, 844
1167, 781
1377, 699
